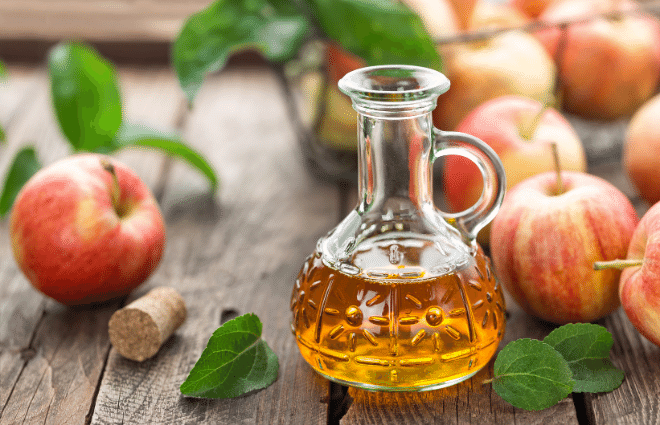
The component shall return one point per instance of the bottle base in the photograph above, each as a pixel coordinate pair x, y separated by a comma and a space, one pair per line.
371, 387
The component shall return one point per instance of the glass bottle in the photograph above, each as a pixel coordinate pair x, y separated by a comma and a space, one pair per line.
399, 296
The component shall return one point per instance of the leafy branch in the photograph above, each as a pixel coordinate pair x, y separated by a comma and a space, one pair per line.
88, 108
378, 31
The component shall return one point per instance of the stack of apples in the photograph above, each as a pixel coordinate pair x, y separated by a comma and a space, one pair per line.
619, 73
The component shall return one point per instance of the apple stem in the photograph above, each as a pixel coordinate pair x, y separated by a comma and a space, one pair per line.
528, 131
617, 264
107, 166
555, 156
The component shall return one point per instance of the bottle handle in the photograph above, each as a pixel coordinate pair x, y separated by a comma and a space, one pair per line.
475, 218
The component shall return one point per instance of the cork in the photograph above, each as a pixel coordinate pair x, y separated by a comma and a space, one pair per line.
138, 330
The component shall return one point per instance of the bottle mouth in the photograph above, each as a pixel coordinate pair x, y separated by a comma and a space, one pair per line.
394, 88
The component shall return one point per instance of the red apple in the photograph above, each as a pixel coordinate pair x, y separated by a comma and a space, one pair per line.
544, 244
639, 288
463, 10
510, 63
641, 150
531, 8
609, 67
522, 138
81, 236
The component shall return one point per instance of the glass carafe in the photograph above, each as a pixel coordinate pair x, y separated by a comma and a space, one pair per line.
399, 296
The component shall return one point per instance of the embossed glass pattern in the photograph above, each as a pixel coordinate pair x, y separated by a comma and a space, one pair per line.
399, 296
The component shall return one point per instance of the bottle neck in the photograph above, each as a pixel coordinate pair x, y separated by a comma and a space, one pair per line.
395, 175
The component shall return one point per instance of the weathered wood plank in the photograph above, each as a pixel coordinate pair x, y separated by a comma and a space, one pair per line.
95, 20
56, 369
637, 401
23, 95
238, 252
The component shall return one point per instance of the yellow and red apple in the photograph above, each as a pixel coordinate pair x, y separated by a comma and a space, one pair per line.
81, 236
544, 244
521, 131
608, 67
510, 63
639, 288
531, 8
641, 150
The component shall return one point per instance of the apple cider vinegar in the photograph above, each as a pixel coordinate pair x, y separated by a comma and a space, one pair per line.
397, 326
399, 296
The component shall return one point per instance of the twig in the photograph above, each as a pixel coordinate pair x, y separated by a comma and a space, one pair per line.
650, 7
292, 107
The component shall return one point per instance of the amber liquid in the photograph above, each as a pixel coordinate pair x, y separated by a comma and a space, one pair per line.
397, 323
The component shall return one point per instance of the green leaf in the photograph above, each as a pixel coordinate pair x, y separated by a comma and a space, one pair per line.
141, 136
3, 137
274, 27
379, 31
24, 166
586, 348
85, 96
531, 375
3, 69
235, 361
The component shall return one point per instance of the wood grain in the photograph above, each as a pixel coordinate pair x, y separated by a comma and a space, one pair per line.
125, 20
637, 401
52, 373
236, 252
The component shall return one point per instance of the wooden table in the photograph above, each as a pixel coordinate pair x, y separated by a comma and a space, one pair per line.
235, 253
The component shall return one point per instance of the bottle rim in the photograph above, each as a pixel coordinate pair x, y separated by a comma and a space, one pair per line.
386, 84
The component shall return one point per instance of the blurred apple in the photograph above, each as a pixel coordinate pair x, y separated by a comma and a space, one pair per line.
544, 244
439, 17
608, 67
639, 288
531, 8
641, 150
463, 10
510, 63
521, 132
487, 14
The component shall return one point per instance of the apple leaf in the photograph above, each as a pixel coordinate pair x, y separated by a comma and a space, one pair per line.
85, 96
273, 27
141, 136
531, 375
378, 31
235, 361
3, 137
24, 166
586, 348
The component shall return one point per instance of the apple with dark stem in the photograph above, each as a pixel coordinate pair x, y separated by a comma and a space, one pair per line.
520, 130
550, 230
86, 229
639, 286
